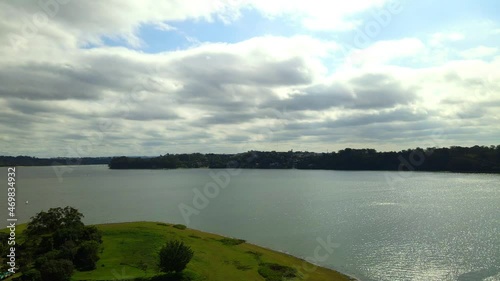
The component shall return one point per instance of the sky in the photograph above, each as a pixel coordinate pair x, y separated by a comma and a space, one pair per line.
124, 77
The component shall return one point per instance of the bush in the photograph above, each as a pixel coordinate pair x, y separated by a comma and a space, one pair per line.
231, 241
56, 270
31, 275
180, 226
174, 256
86, 255
276, 272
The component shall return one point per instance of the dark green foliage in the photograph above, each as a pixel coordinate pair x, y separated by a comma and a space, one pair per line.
56, 270
91, 233
33, 161
53, 255
86, 256
455, 159
231, 241
31, 275
180, 226
58, 238
174, 256
56, 219
241, 266
256, 255
65, 234
276, 272
43, 244
68, 250
39, 261
4, 246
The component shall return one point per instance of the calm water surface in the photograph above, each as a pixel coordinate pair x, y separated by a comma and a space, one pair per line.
430, 226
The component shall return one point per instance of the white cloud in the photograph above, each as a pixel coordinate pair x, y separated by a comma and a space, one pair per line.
386, 52
443, 37
164, 27
89, 21
318, 14
479, 52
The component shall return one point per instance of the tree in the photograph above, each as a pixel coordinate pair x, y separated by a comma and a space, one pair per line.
53, 220
57, 242
91, 233
174, 256
87, 255
56, 270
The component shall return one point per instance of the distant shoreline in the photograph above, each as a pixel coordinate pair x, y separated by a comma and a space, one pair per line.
277, 169
455, 159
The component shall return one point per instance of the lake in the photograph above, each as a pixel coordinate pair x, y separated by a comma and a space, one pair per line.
425, 226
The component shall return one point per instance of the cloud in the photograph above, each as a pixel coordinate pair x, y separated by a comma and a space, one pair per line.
318, 15
368, 91
387, 116
389, 51
89, 21
479, 52
296, 90
164, 27
443, 37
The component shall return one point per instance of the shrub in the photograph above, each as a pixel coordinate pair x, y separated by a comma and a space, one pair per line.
31, 275
174, 256
180, 226
241, 266
231, 241
56, 270
276, 272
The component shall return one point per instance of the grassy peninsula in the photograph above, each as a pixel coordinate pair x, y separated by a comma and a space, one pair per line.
129, 252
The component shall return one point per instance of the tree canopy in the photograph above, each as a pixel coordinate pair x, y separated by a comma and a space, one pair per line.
57, 242
455, 159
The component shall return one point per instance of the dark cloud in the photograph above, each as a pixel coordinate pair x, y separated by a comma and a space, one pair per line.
21, 121
319, 97
48, 82
471, 112
223, 118
154, 143
31, 107
237, 138
380, 91
147, 115
392, 116
225, 68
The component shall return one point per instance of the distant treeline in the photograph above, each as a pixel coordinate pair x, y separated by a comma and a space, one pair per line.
484, 159
33, 161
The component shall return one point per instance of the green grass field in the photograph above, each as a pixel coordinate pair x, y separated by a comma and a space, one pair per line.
128, 247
